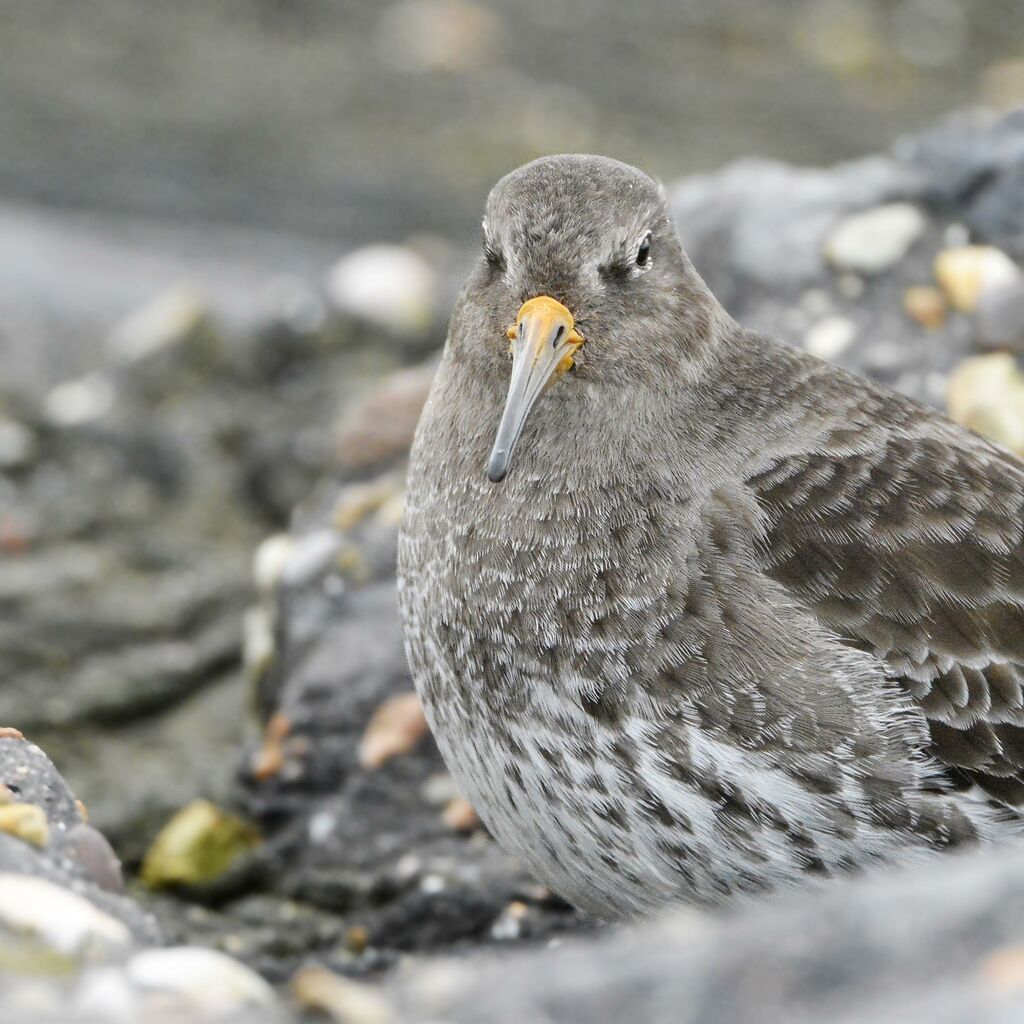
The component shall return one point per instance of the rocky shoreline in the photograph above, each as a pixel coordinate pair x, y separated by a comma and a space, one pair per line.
197, 614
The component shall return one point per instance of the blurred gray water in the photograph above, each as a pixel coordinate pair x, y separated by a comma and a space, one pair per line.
189, 125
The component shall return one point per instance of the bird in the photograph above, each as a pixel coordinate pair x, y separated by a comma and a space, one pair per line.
695, 616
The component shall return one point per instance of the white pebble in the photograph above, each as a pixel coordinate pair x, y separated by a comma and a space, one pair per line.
205, 980
77, 402
830, 337
17, 444
157, 326
269, 561
874, 240
309, 557
61, 919
386, 285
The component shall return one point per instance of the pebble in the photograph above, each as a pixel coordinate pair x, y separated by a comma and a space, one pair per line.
89, 849
310, 557
968, 272
379, 429
17, 444
26, 822
76, 403
357, 501
874, 240
830, 337
459, 815
1000, 317
509, 924
205, 980
395, 728
347, 1002
269, 759
258, 645
61, 919
926, 305
157, 327
197, 845
388, 286
986, 394
269, 562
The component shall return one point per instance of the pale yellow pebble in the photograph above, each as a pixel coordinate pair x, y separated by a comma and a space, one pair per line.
966, 272
25, 821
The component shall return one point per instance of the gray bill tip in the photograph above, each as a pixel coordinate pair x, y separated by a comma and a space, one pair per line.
497, 466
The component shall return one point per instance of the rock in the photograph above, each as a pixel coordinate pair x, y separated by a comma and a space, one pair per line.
387, 286
379, 429
459, 815
196, 846
91, 852
968, 272
57, 917
858, 952
830, 337
874, 240
999, 320
17, 444
986, 394
270, 561
347, 1002
26, 822
76, 403
395, 728
169, 321
203, 981
926, 305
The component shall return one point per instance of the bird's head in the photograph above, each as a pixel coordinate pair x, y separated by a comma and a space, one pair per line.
582, 281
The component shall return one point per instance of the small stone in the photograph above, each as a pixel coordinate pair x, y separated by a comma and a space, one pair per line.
78, 402
968, 272
269, 562
926, 305
197, 845
388, 286
850, 286
1003, 970
8, 732
17, 444
509, 925
310, 557
162, 324
1000, 317
204, 980
379, 429
59, 918
459, 815
986, 395
357, 938
358, 501
830, 337
347, 1002
89, 849
872, 241
258, 646
269, 759
395, 728
25, 821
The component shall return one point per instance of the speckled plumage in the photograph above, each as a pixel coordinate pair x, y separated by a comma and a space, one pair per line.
735, 619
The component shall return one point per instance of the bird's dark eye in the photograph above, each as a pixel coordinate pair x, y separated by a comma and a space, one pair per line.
644, 252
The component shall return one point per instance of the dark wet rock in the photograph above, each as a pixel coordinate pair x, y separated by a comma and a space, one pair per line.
942, 943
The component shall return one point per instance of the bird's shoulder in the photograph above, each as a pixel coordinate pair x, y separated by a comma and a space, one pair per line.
904, 534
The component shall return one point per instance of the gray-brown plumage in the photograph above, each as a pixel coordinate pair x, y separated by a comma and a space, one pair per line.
694, 614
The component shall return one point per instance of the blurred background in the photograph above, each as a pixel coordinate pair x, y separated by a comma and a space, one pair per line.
230, 235
228, 142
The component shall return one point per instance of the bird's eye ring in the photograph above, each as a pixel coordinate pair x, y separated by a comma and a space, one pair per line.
643, 253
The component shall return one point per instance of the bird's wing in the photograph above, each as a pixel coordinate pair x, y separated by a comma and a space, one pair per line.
904, 534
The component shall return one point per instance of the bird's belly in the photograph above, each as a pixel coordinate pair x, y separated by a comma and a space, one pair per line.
598, 816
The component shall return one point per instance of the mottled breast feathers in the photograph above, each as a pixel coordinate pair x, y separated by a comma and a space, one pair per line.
905, 537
